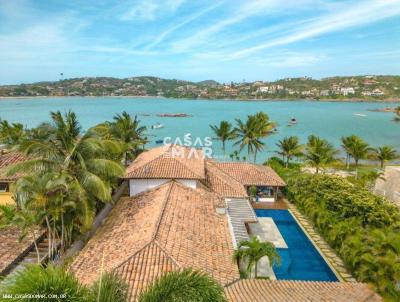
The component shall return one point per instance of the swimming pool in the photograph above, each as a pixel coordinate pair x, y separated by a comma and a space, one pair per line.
301, 260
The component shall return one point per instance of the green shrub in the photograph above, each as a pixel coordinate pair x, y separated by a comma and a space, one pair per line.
184, 286
109, 288
363, 228
42, 284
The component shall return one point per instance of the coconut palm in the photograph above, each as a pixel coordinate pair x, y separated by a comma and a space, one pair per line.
289, 147
83, 156
127, 130
224, 132
384, 154
319, 152
251, 132
358, 149
11, 134
251, 251
185, 285
347, 141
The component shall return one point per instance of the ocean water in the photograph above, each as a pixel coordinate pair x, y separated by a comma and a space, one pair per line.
330, 120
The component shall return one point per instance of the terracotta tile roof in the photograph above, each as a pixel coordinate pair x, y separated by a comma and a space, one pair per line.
7, 160
221, 183
170, 161
169, 227
144, 267
251, 174
294, 291
10, 246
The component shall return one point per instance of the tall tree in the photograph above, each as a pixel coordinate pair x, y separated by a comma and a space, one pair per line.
185, 285
224, 132
347, 142
319, 152
384, 154
358, 149
11, 134
289, 147
251, 133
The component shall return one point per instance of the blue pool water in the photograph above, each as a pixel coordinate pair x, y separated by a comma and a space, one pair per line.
300, 261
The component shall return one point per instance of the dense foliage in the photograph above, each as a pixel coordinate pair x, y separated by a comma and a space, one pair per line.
363, 228
37, 283
184, 286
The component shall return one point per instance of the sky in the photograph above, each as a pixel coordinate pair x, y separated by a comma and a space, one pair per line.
197, 40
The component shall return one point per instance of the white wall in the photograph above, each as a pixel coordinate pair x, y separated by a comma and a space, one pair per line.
137, 186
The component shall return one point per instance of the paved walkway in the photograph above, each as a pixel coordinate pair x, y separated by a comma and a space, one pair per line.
334, 260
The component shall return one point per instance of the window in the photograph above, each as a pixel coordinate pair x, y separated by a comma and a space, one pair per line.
3, 187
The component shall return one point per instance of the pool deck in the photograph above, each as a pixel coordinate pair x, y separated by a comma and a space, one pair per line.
330, 256
281, 204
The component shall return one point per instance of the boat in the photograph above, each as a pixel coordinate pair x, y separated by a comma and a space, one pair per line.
360, 114
157, 126
159, 141
292, 121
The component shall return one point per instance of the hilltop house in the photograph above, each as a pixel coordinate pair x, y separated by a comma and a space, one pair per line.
181, 214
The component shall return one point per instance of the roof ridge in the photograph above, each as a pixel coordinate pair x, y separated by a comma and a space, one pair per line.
223, 172
132, 256
147, 163
165, 201
166, 253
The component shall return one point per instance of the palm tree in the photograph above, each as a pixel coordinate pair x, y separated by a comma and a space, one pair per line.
358, 149
49, 281
347, 141
384, 154
249, 134
83, 156
288, 148
109, 288
251, 251
224, 132
185, 285
319, 152
11, 134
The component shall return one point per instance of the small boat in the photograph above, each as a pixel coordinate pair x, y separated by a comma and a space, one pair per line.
292, 121
159, 141
157, 126
360, 114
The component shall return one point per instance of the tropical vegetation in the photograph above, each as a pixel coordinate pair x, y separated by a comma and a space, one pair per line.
181, 286
364, 229
319, 152
51, 283
224, 132
250, 252
289, 147
385, 154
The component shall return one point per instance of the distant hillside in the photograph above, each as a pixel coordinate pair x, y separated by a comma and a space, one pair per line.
340, 88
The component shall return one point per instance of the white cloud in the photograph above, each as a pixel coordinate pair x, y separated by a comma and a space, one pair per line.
356, 15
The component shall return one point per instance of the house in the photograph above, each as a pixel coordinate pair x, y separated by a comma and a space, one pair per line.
192, 168
7, 160
180, 214
347, 90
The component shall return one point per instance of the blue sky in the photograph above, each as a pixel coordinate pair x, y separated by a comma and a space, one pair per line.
197, 40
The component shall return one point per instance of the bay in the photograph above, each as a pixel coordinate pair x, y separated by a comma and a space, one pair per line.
330, 120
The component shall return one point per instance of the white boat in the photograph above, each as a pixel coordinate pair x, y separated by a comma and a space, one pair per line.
292, 121
157, 126
360, 114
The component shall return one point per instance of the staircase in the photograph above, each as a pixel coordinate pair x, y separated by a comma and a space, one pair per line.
239, 212
31, 256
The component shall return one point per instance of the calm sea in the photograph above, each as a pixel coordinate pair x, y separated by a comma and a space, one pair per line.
329, 119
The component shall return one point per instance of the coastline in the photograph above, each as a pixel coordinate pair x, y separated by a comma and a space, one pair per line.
347, 100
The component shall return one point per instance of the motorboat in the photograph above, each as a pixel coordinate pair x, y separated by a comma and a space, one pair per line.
292, 121
157, 126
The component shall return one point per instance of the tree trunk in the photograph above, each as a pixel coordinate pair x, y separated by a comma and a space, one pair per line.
255, 270
49, 237
316, 169
223, 146
36, 247
287, 161
382, 163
